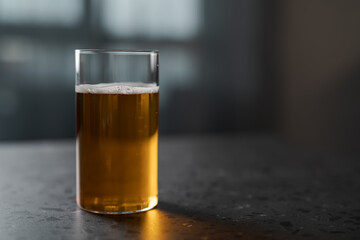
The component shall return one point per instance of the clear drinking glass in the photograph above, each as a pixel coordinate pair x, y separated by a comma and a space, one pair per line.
117, 106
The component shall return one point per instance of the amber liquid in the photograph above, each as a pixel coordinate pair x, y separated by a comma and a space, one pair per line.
117, 152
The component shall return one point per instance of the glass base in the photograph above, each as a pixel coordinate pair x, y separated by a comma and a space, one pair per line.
117, 209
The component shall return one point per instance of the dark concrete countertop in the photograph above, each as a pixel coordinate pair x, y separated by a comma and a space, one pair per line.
245, 187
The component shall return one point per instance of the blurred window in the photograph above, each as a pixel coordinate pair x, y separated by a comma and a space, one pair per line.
156, 19
37, 42
41, 12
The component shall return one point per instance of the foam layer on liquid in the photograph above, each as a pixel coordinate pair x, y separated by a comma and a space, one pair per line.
117, 88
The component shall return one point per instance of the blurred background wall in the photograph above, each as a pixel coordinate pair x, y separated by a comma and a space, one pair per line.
289, 67
318, 72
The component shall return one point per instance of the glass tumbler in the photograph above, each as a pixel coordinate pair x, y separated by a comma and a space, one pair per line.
117, 106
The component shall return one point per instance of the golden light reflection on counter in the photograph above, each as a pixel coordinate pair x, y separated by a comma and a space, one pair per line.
161, 225
165, 222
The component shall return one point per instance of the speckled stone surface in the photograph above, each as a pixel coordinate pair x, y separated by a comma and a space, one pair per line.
234, 187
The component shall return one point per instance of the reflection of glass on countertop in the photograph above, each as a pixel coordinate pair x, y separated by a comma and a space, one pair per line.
167, 221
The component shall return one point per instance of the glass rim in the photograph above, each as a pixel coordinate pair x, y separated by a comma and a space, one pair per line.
130, 51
